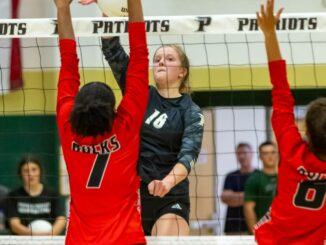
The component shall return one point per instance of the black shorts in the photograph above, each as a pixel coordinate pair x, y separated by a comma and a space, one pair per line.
152, 208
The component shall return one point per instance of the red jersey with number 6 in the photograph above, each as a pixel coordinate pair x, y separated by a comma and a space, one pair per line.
298, 212
102, 170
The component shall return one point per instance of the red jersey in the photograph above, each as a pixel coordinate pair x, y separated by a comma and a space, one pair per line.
102, 170
298, 212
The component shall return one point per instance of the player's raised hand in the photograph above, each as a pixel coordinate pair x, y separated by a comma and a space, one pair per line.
159, 188
62, 3
65, 28
266, 18
267, 22
86, 2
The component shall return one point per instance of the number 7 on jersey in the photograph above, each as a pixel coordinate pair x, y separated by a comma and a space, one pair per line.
97, 173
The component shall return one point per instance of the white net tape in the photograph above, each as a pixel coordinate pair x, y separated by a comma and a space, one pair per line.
192, 240
167, 25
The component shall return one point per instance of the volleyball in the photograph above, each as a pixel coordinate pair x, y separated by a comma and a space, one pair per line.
40, 225
113, 8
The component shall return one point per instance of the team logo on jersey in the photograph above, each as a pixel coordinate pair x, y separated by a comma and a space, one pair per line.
34, 208
202, 121
105, 147
176, 206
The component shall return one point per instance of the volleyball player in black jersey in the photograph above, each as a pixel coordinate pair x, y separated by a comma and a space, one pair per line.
171, 138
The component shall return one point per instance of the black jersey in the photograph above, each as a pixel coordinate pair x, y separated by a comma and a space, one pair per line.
45, 206
172, 129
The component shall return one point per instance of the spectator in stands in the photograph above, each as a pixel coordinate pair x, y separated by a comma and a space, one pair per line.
34, 201
3, 197
233, 191
260, 187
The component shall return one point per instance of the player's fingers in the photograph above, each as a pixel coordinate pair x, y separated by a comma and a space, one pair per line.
262, 11
163, 191
150, 188
270, 7
278, 15
258, 18
158, 188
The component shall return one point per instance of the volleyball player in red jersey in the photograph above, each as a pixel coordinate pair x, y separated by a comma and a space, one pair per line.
298, 212
101, 146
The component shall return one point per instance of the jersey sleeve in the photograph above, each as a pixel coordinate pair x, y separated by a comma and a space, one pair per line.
283, 120
133, 105
250, 190
192, 137
11, 207
117, 59
68, 82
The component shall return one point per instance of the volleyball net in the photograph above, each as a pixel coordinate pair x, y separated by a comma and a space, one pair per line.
229, 80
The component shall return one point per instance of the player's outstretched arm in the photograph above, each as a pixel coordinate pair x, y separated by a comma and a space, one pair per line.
68, 84
134, 102
187, 157
283, 117
65, 28
267, 22
117, 59
114, 54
